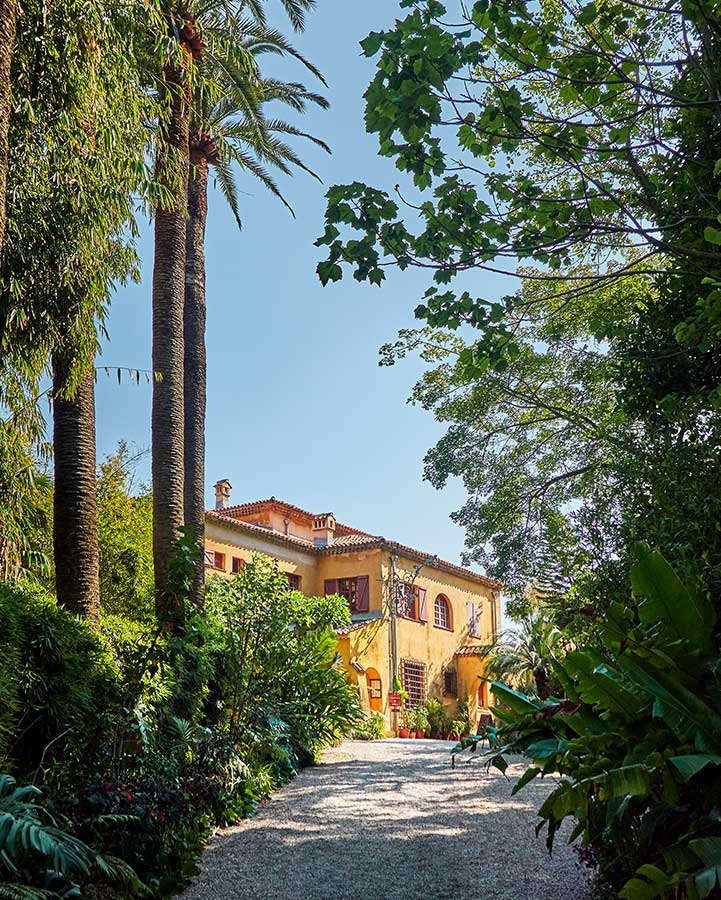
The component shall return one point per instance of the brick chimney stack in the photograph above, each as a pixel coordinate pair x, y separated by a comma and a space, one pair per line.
222, 493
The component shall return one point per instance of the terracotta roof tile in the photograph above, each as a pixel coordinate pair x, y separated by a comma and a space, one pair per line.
470, 650
346, 538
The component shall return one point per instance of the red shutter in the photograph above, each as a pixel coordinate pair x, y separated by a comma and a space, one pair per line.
330, 586
422, 605
363, 594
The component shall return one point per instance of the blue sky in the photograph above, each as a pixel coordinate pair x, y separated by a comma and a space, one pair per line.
297, 404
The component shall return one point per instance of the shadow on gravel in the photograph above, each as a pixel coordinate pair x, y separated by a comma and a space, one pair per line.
395, 823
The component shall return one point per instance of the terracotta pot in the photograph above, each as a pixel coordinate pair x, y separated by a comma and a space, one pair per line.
420, 732
403, 733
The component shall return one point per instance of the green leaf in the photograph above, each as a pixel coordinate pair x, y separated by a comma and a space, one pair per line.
712, 235
708, 850
687, 614
525, 779
688, 766
371, 45
518, 702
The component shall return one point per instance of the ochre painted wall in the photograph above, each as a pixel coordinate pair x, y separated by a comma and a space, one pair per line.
369, 646
436, 647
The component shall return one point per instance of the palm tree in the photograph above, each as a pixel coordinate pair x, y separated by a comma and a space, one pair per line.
189, 25
524, 654
75, 524
227, 132
8, 15
172, 168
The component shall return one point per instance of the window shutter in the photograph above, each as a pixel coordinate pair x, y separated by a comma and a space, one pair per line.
476, 631
422, 605
362, 603
209, 558
330, 586
469, 616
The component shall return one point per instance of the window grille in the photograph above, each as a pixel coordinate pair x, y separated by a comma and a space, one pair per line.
414, 682
442, 612
450, 682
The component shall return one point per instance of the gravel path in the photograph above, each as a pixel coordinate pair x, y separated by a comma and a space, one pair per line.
390, 820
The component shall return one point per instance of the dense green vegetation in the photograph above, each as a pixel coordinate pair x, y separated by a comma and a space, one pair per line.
137, 709
145, 740
574, 148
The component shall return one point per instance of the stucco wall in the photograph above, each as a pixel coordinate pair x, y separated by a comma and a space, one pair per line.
370, 646
436, 647
231, 542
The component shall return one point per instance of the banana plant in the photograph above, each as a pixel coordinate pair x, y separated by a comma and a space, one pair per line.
636, 739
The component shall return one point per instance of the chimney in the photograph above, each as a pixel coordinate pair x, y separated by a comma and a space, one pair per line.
323, 530
222, 493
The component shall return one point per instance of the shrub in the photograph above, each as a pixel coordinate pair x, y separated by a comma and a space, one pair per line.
58, 685
637, 740
372, 728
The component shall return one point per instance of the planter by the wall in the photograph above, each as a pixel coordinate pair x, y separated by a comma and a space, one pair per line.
403, 733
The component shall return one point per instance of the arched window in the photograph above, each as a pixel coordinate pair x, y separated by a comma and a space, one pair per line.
442, 613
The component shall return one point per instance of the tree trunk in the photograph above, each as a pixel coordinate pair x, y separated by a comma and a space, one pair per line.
75, 524
542, 686
168, 298
195, 367
8, 13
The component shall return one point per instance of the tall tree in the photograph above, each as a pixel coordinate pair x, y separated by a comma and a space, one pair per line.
75, 524
172, 168
226, 133
8, 15
69, 236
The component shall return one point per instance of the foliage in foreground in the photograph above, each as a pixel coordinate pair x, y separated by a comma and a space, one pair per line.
636, 739
144, 741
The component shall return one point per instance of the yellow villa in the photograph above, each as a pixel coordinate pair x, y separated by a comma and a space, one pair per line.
412, 614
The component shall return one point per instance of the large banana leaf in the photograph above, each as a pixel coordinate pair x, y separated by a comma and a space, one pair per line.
599, 685
682, 612
682, 710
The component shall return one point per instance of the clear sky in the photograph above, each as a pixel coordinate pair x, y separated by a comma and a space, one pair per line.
298, 407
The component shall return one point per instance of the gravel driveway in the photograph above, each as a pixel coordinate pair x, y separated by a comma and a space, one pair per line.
391, 819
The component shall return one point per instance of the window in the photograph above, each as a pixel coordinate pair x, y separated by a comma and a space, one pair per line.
414, 682
411, 601
348, 588
219, 560
450, 682
442, 613
237, 565
474, 620
356, 591
293, 581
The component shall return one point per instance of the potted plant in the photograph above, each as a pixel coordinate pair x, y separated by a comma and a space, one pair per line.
434, 708
422, 723
411, 722
456, 729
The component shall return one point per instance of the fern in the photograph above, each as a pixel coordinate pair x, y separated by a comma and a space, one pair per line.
28, 829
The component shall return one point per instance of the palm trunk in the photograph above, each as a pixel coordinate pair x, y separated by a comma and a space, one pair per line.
8, 13
168, 298
75, 523
195, 367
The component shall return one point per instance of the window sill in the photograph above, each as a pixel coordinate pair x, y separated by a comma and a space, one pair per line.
410, 619
442, 628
